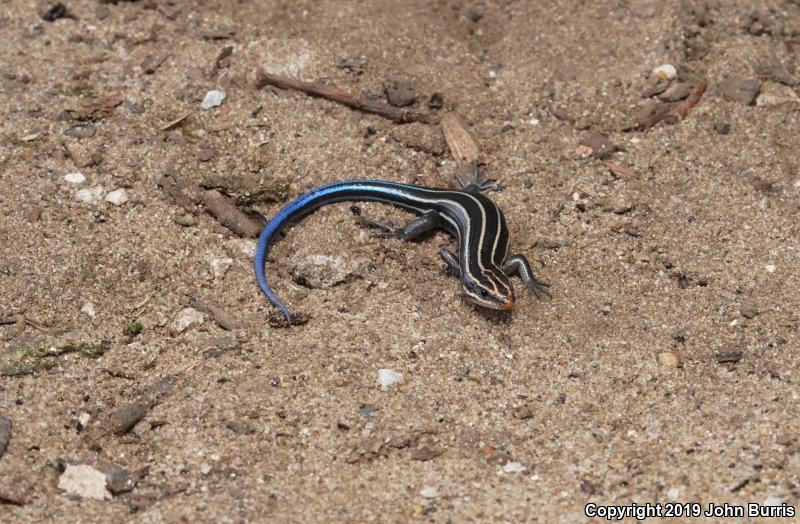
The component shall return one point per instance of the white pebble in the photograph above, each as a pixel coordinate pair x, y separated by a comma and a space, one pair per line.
84, 418
674, 494
90, 195
205, 469
75, 178
513, 467
186, 318
770, 268
387, 377
772, 500
219, 266
117, 197
666, 71
88, 310
84, 481
534, 121
429, 492
245, 246
213, 98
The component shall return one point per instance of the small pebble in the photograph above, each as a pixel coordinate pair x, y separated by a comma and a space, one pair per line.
599, 145
722, 128
772, 500
205, 469
774, 94
125, 418
436, 101
740, 90
513, 467
387, 377
186, 220
748, 311
81, 131
220, 266
473, 16
90, 195
54, 13
75, 178
665, 71
88, 310
213, 98
429, 492
676, 92
117, 197
84, 481
118, 479
770, 268
366, 410
399, 93
668, 359
186, 318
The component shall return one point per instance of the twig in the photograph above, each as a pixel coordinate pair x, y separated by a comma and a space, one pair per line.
361, 103
7, 321
679, 112
173, 123
229, 215
141, 304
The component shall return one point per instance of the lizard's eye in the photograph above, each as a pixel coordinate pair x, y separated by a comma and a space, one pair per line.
484, 293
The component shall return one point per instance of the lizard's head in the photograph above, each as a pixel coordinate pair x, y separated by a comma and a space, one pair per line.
491, 289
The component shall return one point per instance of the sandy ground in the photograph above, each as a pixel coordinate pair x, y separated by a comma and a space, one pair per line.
664, 370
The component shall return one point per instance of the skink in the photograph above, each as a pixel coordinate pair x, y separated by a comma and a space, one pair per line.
482, 263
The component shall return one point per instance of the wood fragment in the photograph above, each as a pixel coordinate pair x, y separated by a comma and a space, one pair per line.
175, 122
681, 110
230, 216
223, 319
360, 103
464, 148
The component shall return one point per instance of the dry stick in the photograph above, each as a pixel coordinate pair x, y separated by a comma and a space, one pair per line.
361, 103
679, 112
229, 215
